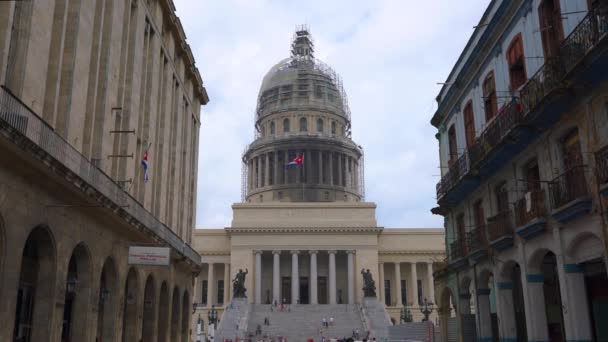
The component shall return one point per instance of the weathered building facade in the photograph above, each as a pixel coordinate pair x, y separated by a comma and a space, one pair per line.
523, 133
89, 89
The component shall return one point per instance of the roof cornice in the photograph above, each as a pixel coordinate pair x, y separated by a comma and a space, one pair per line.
308, 230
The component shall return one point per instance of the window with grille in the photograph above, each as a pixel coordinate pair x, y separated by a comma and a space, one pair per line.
204, 292
516, 61
303, 125
286, 125
490, 104
320, 125
220, 292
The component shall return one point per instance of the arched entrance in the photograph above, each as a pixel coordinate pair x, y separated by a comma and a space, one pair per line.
466, 305
486, 302
447, 316
163, 313
76, 297
148, 327
510, 302
186, 317
35, 294
175, 315
129, 315
107, 302
553, 298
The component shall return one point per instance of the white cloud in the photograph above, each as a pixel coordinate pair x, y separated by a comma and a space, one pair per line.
390, 55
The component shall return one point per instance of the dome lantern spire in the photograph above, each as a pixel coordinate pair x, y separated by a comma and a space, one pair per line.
302, 45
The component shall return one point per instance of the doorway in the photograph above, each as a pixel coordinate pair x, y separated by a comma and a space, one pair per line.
596, 283
304, 294
286, 290
322, 286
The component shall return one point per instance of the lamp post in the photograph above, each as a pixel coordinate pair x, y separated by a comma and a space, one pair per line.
212, 315
406, 314
199, 328
426, 309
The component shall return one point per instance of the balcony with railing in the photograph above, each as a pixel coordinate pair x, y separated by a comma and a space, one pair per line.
601, 165
28, 131
458, 251
582, 57
477, 244
530, 212
500, 230
569, 194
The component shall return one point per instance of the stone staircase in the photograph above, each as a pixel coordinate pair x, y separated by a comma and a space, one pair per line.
376, 318
234, 320
414, 331
302, 322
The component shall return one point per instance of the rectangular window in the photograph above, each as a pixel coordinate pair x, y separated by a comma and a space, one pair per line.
551, 27
532, 174
420, 293
502, 197
453, 148
387, 292
220, 292
403, 292
469, 124
480, 218
461, 231
204, 291
490, 105
517, 64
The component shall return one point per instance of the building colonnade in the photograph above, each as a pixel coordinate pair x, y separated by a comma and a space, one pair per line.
399, 289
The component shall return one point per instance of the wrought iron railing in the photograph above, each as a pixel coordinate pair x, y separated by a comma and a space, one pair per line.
21, 120
455, 172
548, 78
500, 226
530, 207
476, 239
568, 186
457, 249
601, 164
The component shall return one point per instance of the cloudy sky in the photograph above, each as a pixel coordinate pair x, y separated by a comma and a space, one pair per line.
390, 54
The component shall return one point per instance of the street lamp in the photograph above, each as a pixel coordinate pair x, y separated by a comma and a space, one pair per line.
406, 314
212, 315
199, 328
426, 309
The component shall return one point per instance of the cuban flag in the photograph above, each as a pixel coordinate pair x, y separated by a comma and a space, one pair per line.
144, 164
299, 161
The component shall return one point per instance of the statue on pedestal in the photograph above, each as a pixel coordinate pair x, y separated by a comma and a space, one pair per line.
369, 286
238, 284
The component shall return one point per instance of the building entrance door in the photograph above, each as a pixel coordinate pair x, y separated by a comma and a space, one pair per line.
596, 282
304, 294
286, 290
322, 289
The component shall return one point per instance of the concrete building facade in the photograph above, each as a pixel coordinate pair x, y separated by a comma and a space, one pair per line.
523, 133
88, 90
304, 233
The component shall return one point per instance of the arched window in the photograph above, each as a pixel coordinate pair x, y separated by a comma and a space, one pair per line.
490, 105
333, 127
286, 125
272, 128
517, 64
303, 125
453, 149
469, 123
320, 125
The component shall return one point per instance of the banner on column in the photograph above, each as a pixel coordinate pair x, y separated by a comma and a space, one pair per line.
157, 256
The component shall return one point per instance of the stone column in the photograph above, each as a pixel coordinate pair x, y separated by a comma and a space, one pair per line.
506, 311
275, 175
259, 159
414, 285
285, 174
381, 282
295, 278
331, 168
226, 283
429, 274
276, 275
534, 298
308, 166
320, 167
210, 286
258, 277
332, 277
266, 169
399, 301
298, 169
340, 169
250, 174
313, 277
576, 316
483, 311
350, 279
